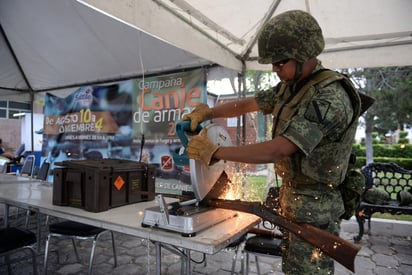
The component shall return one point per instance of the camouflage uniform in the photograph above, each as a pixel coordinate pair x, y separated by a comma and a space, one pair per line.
308, 193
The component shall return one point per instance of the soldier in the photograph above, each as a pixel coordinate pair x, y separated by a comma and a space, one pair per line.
314, 125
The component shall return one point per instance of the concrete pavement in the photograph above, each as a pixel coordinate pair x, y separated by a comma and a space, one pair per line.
387, 251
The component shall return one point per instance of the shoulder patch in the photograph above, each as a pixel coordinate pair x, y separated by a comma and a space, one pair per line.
317, 110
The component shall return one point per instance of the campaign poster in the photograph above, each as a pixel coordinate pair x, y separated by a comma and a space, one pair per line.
133, 119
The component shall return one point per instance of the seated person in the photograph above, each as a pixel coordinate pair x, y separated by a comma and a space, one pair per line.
2, 150
17, 156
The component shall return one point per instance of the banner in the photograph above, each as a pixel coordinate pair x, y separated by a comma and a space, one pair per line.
133, 119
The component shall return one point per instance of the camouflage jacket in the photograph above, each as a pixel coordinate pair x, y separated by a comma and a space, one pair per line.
321, 122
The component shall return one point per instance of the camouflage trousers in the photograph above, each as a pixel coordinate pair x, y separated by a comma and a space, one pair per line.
315, 205
300, 258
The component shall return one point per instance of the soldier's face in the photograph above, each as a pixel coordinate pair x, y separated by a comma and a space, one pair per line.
285, 69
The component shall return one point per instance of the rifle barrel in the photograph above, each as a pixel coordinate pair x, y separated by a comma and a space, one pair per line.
337, 248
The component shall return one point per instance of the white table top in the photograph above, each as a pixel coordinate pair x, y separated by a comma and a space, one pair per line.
9, 178
26, 193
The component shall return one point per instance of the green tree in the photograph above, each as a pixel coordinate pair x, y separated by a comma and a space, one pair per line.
259, 80
392, 89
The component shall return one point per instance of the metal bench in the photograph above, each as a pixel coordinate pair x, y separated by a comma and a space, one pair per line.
385, 176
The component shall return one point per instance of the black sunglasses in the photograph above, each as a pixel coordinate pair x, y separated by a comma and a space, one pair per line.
281, 63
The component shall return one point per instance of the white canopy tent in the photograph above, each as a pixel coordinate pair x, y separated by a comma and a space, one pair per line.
366, 33
48, 45
57, 46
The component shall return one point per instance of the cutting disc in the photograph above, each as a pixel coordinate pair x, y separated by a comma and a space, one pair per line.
204, 177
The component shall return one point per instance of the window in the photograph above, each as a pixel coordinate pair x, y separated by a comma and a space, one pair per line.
9, 108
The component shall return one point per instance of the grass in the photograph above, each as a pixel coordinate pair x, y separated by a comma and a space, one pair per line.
256, 188
392, 217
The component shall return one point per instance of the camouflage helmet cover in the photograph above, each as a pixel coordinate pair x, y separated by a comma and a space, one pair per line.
293, 34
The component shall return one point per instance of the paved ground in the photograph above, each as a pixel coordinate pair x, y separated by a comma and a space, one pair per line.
381, 254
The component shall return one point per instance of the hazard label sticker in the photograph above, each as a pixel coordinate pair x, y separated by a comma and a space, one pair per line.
119, 182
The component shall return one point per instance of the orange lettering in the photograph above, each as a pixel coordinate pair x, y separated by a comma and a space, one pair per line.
169, 95
182, 99
141, 100
157, 103
193, 97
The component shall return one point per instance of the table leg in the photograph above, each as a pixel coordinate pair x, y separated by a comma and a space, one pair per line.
38, 230
187, 258
184, 257
158, 258
6, 215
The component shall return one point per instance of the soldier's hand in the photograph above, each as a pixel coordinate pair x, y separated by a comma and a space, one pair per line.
201, 148
201, 113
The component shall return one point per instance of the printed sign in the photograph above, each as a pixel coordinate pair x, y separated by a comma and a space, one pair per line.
133, 119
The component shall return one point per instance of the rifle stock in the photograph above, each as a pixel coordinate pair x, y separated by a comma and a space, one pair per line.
339, 249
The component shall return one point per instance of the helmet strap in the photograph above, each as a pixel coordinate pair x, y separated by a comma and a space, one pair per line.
298, 73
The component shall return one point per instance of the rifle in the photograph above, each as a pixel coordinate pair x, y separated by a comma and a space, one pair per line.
339, 249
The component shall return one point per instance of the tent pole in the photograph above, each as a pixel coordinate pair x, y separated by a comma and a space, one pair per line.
31, 120
243, 91
242, 127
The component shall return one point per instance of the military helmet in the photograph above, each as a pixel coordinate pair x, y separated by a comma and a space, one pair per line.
293, 34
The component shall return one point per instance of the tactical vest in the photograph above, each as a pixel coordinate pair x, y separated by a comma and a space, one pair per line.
315, 168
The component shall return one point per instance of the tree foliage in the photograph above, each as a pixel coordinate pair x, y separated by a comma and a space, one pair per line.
259, 80
392, 88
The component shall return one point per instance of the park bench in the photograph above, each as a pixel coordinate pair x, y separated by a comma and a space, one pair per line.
388, 177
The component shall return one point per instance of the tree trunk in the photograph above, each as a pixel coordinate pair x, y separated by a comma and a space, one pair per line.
368, 138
